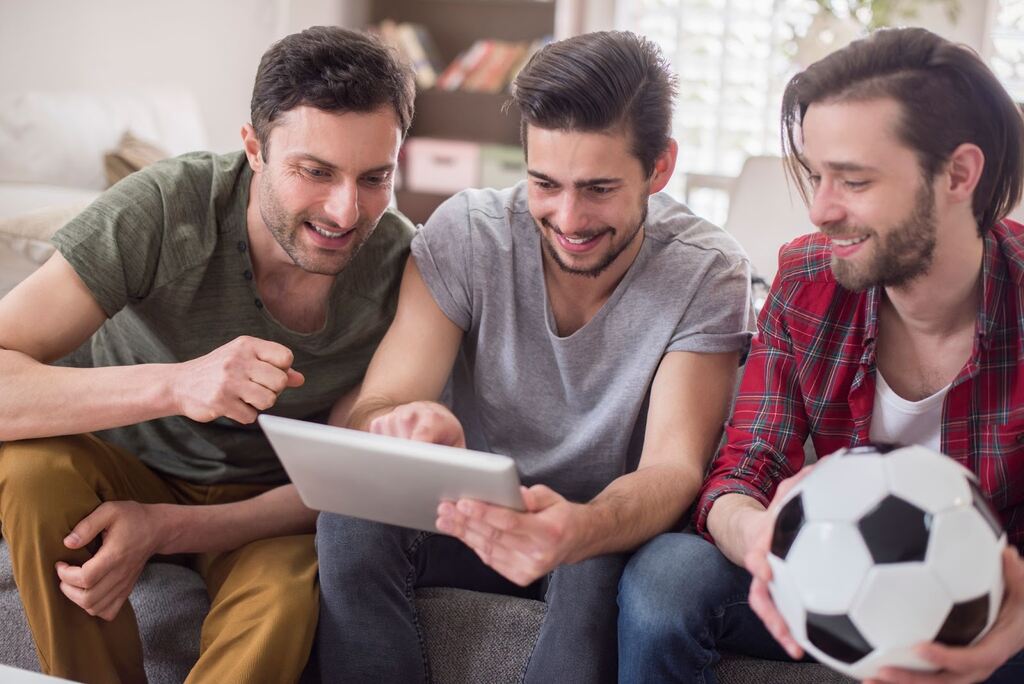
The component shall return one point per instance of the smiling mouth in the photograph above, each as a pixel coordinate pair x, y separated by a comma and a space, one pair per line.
849, 242
580, 241
328, 233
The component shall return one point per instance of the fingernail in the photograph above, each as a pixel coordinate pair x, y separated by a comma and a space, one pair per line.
71, 539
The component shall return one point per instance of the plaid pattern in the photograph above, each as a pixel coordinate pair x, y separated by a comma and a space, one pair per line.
811, 370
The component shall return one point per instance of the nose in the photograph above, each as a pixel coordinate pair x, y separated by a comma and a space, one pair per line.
342, 205
825, 208
570, 215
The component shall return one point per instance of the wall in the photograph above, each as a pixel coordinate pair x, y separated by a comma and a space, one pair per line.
210, 47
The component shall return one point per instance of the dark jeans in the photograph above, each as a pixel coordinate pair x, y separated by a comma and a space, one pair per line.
368, 630
681, 601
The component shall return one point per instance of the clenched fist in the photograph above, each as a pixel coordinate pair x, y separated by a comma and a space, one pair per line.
236, 381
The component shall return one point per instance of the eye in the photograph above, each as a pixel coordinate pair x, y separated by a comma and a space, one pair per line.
315, 173
600, 189
814, 179
543, 184
377, 180
855, 185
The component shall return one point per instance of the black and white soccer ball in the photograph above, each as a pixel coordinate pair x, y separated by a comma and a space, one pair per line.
880, 549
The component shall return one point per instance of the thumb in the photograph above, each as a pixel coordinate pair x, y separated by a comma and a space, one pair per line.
539, 497
87, 529
295, 378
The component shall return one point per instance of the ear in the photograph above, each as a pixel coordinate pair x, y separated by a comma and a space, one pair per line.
664, 165
251, 145
963, 172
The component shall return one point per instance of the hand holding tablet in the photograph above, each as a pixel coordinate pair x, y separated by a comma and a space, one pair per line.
387, 479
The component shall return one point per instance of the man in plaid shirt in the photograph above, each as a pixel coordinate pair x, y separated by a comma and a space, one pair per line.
900, 321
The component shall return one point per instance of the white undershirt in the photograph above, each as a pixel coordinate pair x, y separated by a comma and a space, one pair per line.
898, 421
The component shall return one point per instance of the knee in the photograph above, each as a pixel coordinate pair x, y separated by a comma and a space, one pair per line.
673, 581
351, 550
32, 469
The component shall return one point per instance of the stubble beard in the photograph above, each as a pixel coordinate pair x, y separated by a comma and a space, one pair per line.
906, 253
609, 258
287, 228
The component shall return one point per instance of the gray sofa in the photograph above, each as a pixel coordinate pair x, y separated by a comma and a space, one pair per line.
471, 637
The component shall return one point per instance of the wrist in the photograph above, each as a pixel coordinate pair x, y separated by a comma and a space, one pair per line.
170, 528
167, 387
584, 532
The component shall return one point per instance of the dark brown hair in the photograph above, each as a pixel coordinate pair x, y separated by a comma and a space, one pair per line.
598, 82
947, 97
332, 69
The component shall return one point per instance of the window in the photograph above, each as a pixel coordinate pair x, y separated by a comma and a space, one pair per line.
1006, 51
733, 59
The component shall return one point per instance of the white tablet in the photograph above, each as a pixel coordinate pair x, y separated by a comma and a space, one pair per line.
387, 479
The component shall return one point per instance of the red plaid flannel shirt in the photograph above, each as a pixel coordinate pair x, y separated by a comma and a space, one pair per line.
811, 370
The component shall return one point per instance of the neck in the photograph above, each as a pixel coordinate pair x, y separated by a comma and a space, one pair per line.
946, 298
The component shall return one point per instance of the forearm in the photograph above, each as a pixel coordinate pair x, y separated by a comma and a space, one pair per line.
635, 508
39, 400
731, 523
367, 408
222, 527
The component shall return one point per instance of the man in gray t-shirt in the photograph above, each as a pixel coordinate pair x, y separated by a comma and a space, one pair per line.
584, 324
209, 288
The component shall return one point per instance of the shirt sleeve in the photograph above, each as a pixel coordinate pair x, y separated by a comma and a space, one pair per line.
765, 436
443, 252
115, 244
719, 318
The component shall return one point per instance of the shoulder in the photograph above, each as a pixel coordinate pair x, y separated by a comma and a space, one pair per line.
1009, 234
806, 259
199, 174
674, 229
483, 216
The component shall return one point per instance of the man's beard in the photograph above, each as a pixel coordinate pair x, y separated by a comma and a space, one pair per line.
905, 253
605, 262
287, 229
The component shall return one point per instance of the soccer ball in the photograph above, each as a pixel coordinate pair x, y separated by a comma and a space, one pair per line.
880, 549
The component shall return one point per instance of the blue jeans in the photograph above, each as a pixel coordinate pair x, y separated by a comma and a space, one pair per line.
681, 601
369, 632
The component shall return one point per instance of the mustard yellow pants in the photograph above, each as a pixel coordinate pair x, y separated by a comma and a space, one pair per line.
264, 597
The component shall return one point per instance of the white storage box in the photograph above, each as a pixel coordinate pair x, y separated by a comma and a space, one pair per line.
441, 166
501, 166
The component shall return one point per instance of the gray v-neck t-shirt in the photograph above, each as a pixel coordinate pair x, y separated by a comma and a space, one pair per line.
165, 252
571, 410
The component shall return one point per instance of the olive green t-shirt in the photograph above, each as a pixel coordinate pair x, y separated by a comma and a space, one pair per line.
165, 253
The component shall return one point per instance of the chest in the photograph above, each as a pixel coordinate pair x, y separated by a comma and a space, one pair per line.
301, 308
916, 367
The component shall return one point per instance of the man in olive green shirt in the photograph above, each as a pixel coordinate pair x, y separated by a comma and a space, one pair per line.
201, 291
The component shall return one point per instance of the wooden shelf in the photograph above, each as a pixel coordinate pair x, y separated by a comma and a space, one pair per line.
462, 115
418, 206
454, 26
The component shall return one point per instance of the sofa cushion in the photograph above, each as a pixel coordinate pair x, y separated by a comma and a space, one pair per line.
131, 154
24, 241
59, 138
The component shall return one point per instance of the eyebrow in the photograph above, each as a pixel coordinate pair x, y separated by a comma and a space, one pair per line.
326, 164
848, 166
578, 184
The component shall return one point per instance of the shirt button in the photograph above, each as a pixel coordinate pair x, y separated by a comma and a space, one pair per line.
241, 246
259, 304
247, 275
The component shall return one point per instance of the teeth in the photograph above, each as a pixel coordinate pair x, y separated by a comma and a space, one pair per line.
326, 233
577, 241
851, 241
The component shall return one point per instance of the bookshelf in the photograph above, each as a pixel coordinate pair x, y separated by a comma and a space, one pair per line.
476, 117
